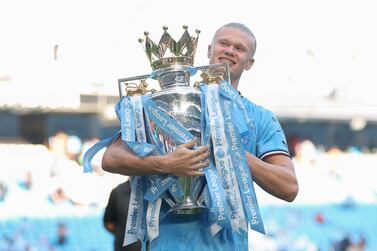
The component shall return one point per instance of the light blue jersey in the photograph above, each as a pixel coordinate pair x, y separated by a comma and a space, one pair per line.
262, 137
193, 233
265, 137
260, 134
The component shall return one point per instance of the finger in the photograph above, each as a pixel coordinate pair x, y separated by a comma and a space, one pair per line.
200, 158
205, 164
200, 165
198, 154
190, 144
197, 173
189, 173
202, 149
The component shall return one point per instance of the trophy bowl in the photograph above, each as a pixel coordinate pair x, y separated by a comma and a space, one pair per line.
181, 100
172, 64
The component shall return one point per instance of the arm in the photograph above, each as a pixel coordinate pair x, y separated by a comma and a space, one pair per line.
119, 158
275, 174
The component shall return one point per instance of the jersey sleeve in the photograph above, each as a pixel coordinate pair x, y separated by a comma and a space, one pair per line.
271, 138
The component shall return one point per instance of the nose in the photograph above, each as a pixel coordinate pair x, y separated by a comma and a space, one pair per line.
229, 51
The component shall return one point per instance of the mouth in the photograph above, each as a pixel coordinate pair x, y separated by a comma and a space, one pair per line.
229, 61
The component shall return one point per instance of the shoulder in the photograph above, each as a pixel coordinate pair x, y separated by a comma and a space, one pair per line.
123, 188
257, 111
264, 120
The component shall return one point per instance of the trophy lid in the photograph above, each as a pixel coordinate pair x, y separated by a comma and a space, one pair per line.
170, 53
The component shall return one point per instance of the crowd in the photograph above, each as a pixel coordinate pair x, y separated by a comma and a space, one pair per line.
50, 181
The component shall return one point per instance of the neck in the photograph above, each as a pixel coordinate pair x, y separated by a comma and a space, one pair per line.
234, 82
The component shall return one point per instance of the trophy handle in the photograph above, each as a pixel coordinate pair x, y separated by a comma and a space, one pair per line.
213, 74
132, 88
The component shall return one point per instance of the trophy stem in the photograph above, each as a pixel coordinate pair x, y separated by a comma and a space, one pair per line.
187, 207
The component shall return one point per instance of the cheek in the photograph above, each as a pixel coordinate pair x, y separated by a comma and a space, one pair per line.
218, 50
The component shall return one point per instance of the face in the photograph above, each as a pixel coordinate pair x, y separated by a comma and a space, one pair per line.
234, 46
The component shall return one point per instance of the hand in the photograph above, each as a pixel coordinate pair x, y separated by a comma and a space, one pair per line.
186, 162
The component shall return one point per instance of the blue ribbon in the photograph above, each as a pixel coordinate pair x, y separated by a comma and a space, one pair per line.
143, 236
176, 190
222, 157
179, 133
218, 203
91, 152
244, 177
218, 200
227, 90
226, 187
132, 127
125, 111
158, 187
135, 213
153, 217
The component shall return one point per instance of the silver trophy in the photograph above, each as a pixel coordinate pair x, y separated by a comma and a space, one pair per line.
178, 99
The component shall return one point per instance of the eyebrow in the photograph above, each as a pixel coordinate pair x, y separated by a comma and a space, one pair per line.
241, 46
223, 40
236, 45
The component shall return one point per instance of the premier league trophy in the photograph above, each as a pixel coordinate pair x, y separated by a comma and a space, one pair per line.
157, 122
172, 65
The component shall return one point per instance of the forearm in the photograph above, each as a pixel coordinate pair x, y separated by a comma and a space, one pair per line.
275, 175
119, 159
183, 161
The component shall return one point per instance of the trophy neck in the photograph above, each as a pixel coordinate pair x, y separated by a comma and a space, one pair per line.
175, 76
178, 78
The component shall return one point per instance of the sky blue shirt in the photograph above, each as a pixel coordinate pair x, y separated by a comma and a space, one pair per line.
263, 137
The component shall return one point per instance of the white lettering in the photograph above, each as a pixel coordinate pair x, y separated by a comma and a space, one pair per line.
156, 113
252, 210
217, 195
165, 181
135, 209
175, 129
152, 220
127, 119
154, 190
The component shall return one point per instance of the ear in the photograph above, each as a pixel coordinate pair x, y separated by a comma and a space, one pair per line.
249, 64
209, 51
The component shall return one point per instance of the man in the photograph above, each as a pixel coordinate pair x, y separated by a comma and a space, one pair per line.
115, 216
266, 152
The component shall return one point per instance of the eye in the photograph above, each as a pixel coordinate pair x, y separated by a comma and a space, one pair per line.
240, 48
223, 43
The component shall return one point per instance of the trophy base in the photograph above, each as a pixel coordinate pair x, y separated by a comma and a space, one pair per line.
186, 209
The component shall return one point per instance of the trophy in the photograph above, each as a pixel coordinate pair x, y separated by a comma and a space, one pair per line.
172, 65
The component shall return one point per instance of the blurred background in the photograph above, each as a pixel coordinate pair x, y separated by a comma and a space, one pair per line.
59, 66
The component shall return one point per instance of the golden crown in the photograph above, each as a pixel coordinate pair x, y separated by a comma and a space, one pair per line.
168, 52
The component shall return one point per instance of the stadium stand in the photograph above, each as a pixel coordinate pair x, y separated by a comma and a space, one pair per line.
336, 205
